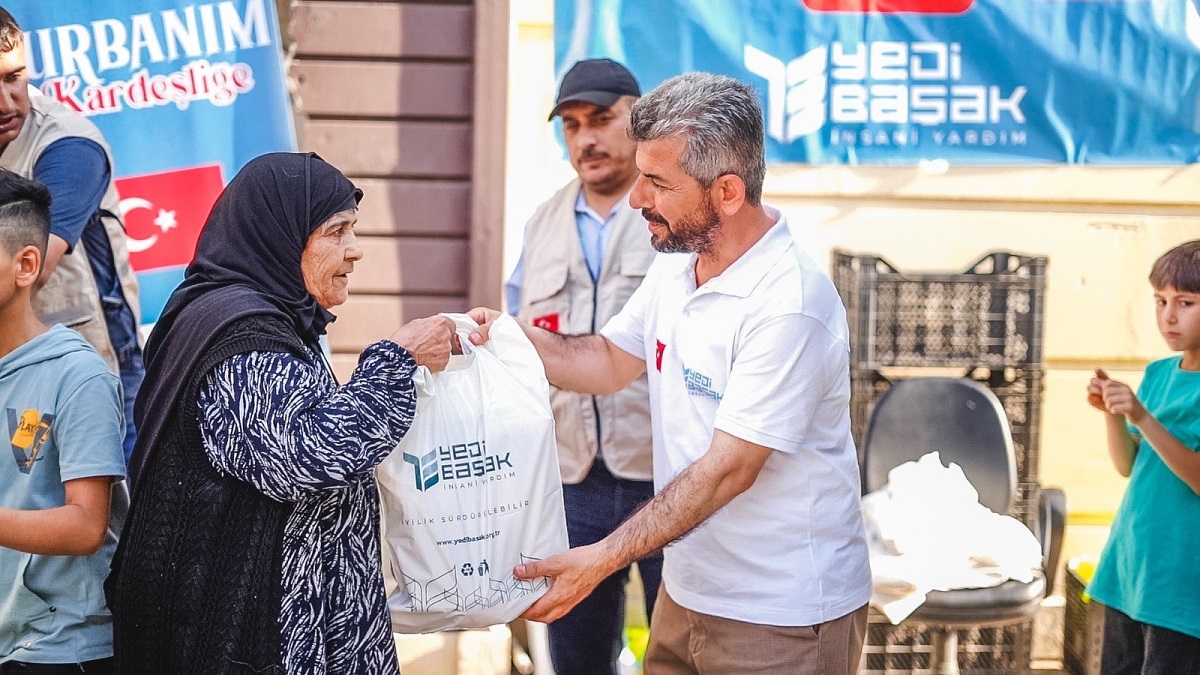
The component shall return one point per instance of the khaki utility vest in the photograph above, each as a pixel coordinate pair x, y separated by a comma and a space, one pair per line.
70, 296
558, 289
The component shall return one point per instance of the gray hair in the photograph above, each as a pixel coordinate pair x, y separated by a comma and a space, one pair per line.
720, 121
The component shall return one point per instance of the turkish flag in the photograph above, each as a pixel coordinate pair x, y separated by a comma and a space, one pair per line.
547, 321
164, 213
890, 6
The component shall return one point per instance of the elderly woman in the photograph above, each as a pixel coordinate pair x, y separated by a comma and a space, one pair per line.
252, 543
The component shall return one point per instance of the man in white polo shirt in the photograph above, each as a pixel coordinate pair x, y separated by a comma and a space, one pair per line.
746, 348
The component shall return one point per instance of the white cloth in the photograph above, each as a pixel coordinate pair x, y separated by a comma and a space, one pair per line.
928, 532
759, 352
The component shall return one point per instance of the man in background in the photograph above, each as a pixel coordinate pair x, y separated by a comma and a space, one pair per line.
86, 283
584, 254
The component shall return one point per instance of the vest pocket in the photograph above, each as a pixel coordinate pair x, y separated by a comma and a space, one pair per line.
632, 267
544, 284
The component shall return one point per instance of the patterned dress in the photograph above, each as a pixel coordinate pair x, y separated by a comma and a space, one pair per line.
286, 427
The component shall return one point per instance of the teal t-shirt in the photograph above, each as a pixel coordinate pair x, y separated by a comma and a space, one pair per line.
60, 409
1148, 567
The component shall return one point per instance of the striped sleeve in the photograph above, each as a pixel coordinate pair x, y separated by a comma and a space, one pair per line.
283, 425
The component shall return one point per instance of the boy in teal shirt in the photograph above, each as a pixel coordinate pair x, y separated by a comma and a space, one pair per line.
1147, 578
60, 408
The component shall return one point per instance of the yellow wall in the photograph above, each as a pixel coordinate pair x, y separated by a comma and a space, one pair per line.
1101, 228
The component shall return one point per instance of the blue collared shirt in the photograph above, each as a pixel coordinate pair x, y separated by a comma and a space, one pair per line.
593, 231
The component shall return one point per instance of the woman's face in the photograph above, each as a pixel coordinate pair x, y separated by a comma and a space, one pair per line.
329, 258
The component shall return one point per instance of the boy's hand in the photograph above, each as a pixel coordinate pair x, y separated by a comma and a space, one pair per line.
1118, 398
1095, 389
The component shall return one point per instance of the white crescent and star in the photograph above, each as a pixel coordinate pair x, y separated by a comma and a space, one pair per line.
165, 221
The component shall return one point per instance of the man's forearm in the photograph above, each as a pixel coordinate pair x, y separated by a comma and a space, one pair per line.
729, 469
585, 363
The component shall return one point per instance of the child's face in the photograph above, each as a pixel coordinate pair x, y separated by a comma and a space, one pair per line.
1178, 318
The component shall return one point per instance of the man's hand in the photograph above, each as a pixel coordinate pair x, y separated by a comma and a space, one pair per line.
573, 574
485, 318
429, 340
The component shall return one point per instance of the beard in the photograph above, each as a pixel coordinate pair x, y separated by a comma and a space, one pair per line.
694, 233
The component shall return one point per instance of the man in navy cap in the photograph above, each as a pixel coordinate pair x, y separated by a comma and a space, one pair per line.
585, 252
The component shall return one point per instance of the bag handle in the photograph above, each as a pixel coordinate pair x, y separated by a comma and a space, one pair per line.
463, 326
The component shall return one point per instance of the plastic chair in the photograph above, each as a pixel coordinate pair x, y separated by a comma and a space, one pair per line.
964, 421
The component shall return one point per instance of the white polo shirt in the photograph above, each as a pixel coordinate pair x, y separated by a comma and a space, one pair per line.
760, 352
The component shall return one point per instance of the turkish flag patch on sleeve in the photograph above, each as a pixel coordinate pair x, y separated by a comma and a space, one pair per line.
658, 352
547, 321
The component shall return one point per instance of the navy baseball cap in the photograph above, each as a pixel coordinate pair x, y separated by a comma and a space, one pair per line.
597, 81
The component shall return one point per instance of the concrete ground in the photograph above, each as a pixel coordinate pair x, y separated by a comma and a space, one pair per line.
1048, 637
490, 651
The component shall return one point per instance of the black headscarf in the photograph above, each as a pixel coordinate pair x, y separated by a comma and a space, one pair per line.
247, 262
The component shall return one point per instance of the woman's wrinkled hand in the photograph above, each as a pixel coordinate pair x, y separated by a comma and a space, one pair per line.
431, 341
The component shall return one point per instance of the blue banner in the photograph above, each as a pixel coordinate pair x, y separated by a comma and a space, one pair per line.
185, 94
980, 82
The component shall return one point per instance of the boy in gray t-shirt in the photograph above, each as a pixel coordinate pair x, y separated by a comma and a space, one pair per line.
60, 408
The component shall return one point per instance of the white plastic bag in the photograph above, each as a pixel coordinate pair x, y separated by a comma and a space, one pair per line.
927, 531
473, 488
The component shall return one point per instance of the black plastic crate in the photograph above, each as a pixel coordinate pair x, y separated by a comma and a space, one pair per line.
1020, 391
908, 648
1027, 508
1083, 627
992, 314
866, 386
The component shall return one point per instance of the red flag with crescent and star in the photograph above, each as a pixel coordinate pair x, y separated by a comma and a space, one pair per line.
164, 213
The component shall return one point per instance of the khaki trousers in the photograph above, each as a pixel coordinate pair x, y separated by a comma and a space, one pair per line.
683, 641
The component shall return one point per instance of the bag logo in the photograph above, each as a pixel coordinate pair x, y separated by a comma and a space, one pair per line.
27, 433
425, 469
456, 462
547, 321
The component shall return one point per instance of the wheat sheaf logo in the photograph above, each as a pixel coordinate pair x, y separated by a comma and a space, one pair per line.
796, 91
425, 469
